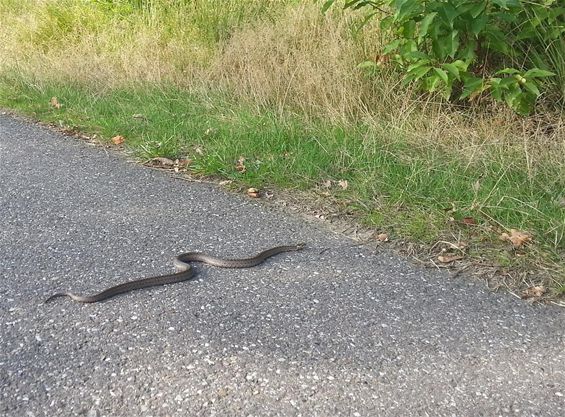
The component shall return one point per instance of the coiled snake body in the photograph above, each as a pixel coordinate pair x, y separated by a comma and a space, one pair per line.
184, 272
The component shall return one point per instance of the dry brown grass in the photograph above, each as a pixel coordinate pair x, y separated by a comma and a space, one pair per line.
304, 61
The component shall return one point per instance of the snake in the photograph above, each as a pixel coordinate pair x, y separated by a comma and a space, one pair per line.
184, 272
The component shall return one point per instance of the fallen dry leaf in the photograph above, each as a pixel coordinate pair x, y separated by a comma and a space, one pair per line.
534, 292
182, 164
161, 161
517, 238
55, 103
253, 192
240, 165
469, 221
118, 139
462, 245
382, 237
382, 60
326, 184
343, 184
445, 259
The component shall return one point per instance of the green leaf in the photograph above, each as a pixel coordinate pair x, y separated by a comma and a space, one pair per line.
406, 8
532, 88
362, 3
417, 73
440, 47
327, 5
431, 83
477, 9
509, 82
510, 97
496, 90
417, 55
528, 33
442, 74
496, 39
524, 104
418, 64
391, 47
350, 3
461, 65
425, 25
452, 69
478, 24
471, 85
467, 54
408, 47
454, 43
409, 28
511, 71
448, 14
506, 4
387, 22
538, 73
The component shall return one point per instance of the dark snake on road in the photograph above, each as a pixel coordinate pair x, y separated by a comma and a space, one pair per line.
184, 272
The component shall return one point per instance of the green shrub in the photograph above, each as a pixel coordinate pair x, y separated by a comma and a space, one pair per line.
468, 48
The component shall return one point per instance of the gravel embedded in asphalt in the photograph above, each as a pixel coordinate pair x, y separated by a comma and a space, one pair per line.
333, 330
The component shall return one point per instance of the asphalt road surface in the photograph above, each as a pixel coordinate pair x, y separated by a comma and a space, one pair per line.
333, 330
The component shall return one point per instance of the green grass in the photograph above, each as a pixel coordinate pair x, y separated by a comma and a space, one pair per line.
418, 193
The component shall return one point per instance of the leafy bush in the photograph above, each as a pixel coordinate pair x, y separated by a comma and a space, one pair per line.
468, 48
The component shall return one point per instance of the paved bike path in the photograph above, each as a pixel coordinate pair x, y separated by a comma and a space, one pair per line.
334, 330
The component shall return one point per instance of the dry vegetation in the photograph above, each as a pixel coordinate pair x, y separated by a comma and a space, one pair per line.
289, 57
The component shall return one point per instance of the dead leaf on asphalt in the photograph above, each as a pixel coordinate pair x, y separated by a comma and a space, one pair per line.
253, 192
